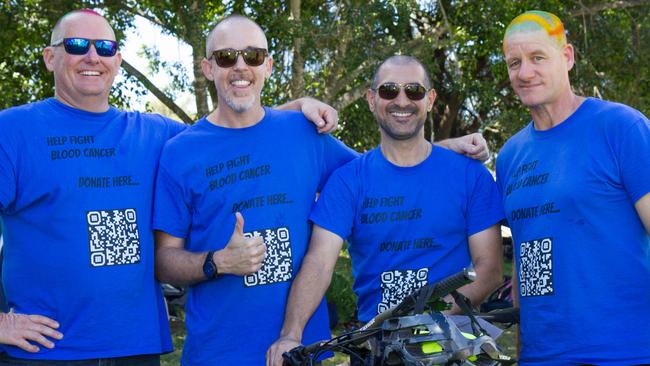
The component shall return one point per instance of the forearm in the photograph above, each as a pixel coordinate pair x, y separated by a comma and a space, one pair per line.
293, 105
306, 293
487, 259
488, 277
178, 266
444, 143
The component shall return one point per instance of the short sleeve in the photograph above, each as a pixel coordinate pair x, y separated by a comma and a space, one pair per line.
484, 207
7, 178
171, 212
335, 208
634, 159
335, 154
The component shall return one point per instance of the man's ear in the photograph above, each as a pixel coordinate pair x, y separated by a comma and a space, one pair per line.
268, 66
48, 57
431, 98
206, 67
569, 54
370, 98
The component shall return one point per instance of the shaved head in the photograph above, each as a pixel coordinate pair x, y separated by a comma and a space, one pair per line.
58, 32
535, 21
214, 33
401, 60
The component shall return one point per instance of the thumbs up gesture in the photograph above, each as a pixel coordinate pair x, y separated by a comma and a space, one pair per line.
242, 255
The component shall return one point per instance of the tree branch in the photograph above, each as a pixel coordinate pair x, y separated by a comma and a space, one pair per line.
619, 4
349, 97
157, 92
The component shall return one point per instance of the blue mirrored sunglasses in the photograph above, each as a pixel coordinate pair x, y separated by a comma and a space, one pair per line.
80, 46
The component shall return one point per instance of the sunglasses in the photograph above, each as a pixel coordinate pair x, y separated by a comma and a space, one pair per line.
413, 91
252, 56
80, 46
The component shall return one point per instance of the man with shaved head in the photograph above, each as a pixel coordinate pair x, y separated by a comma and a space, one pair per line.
412, 213
76, 191
576, 190
232, 219
76, 182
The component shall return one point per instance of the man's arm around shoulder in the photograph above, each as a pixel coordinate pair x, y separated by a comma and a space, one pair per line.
473, 146
307, 291
325, 117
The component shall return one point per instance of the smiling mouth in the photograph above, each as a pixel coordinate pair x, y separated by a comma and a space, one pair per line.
529, 86
401, 114
90, 73
240, 83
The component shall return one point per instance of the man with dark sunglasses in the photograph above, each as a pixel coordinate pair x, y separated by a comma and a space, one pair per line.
413, 213
76, 191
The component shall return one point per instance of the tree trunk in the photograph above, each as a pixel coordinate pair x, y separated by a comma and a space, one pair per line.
449, 117
298, 63
200, 84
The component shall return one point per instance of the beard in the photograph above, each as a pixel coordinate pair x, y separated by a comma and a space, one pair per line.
390, 127
240, 107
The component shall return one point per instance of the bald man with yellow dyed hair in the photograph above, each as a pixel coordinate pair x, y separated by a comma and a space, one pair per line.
576, 190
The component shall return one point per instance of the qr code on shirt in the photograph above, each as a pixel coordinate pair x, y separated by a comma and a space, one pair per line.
397, 284
113, 237
536, 267
278, 265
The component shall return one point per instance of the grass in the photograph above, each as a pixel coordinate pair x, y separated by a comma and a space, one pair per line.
178, 336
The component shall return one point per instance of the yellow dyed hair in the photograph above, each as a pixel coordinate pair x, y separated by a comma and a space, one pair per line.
536, 20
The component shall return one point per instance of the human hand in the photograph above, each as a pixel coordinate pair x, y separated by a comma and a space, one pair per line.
18, 329
472, 145
242, 255
280, 346
325, 117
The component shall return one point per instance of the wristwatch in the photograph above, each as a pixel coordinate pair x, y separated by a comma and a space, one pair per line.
210, 269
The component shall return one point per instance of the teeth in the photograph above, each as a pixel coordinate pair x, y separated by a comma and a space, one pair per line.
240, 83
90, 73
401, 114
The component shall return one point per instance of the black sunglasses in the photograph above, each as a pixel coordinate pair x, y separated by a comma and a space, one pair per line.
413, 91
252, 56
80, 46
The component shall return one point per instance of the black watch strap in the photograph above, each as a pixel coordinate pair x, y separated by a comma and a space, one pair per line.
210, 269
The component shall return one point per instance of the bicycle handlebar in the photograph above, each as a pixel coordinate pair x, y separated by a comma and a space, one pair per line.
435, 290
503, 316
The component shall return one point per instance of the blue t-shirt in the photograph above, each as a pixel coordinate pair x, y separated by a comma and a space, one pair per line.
76, 191
270, 172
583, 255
407, 226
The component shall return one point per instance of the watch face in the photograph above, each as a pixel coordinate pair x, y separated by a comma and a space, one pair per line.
208, 266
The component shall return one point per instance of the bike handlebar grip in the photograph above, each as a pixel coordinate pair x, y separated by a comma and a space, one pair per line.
293, 357
453, 282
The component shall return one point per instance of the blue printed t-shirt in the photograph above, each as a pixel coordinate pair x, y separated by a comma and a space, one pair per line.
270, 172
583, 256
76, 192
407, 226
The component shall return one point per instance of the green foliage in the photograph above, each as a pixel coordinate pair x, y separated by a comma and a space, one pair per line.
340, 290
340, 43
